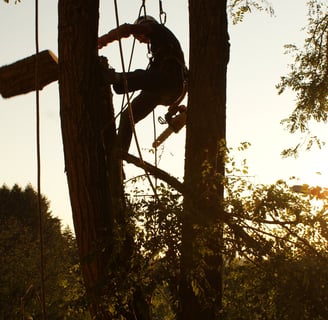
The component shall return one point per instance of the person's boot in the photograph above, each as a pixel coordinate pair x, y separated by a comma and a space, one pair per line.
108, 74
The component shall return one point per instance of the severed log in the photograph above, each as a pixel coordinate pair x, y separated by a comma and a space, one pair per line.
20, 77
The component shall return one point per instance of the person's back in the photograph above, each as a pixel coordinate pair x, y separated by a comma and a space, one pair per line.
165, 45
160, 84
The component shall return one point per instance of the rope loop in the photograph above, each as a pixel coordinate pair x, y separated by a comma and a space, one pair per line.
142, 8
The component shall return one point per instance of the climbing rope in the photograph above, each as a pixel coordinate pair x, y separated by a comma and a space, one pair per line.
128, 97
142, 10
154, 138
37, 97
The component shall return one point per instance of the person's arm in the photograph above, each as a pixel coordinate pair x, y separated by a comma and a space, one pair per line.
123, 31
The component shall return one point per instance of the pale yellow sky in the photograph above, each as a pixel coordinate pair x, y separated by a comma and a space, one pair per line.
254, 109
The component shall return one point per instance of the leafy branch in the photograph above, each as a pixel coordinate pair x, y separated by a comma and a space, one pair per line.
308, 77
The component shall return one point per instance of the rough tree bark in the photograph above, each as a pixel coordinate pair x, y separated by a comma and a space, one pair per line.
201, 256
88, 132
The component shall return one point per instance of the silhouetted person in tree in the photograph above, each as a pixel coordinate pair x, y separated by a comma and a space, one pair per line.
160, 84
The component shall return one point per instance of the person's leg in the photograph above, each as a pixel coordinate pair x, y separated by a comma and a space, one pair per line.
158, 87
148, 80
141, 106
134, 81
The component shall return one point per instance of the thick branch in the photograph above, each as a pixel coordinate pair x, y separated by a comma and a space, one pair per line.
179, 186
158, 173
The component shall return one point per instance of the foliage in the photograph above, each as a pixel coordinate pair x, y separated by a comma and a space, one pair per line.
263, 219
16, 1
20, 259
282, 287
146, 285
238, 8
152, 282
275, 259
308, 77
275, 239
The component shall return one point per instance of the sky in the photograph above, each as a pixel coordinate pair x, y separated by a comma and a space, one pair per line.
254, 108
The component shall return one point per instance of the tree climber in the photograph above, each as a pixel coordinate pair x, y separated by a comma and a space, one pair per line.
162, 83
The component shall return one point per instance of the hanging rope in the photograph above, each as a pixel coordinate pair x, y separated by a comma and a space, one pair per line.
128, 98
37, 96
154, 138
141, 9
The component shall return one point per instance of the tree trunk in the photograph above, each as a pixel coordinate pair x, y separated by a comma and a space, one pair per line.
202, 241
88, 132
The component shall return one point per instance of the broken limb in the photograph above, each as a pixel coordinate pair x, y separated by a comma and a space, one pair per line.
20, 77
158, 173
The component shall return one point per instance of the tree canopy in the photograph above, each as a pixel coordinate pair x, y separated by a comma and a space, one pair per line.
308, 77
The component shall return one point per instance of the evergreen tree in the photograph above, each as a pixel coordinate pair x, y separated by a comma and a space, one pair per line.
20, 259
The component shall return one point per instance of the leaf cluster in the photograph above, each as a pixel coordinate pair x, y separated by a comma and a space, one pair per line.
238, 8
16, 1
308, 76
263, 219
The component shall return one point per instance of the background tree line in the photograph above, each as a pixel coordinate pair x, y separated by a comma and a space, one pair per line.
275, 256
20, 259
